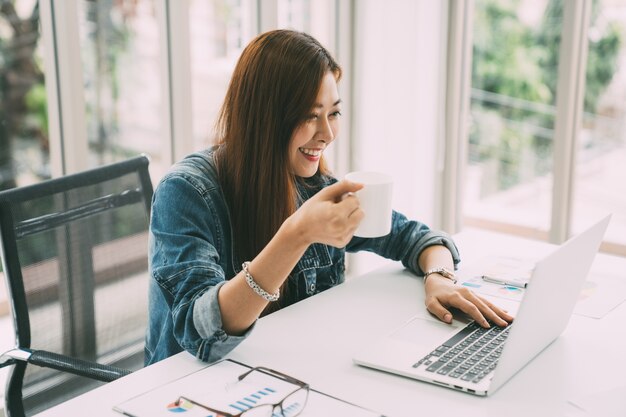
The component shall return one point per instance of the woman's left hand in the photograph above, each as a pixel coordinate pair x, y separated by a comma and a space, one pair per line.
441, 294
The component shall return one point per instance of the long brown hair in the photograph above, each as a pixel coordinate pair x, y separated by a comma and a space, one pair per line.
272, 90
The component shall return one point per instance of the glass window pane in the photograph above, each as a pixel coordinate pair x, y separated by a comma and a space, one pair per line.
295, 14
513, 96
601, 155
313, 17
24, 147
219, 30
24, 150
121, 70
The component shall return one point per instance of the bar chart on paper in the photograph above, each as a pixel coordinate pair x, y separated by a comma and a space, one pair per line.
214, 386
238, 405
251, 400
291, 406
218, 387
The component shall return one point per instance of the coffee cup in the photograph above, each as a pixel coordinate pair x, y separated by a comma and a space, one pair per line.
375, 201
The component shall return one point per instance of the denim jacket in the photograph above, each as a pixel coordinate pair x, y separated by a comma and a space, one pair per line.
191, 257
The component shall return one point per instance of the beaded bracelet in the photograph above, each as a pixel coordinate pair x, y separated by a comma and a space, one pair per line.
256, 288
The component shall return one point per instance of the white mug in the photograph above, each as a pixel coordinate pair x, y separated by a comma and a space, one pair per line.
375, 201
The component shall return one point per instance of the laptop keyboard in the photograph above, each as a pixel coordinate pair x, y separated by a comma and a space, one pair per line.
470, 354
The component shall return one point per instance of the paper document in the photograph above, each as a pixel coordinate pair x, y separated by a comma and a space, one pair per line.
601, 293
498, 268
217, 387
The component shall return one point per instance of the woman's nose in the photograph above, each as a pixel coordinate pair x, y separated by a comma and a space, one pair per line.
326, 133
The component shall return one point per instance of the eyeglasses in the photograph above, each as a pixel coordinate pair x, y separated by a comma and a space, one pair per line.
290, 406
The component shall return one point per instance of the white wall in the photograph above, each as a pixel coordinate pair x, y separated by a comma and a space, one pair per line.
398, 94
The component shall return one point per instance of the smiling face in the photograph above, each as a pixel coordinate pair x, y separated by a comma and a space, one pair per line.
320, 128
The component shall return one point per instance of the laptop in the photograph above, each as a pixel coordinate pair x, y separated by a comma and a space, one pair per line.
478, 361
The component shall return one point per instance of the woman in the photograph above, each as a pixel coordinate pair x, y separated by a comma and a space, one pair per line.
257, 222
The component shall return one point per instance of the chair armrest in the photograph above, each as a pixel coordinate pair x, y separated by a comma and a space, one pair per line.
13, 356
75, 366
6, 361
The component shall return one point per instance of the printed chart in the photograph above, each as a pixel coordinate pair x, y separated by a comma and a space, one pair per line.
217, 386
482, 287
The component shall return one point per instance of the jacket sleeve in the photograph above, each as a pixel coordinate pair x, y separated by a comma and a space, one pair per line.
184, 261
405, 242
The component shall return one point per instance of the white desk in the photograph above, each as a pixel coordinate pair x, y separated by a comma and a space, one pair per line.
314, 340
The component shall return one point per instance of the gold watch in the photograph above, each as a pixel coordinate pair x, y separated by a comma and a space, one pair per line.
444, 272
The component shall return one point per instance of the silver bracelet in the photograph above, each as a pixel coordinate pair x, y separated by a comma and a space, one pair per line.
444, 272
256, 288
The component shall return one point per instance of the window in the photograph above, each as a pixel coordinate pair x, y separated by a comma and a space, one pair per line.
514, 174
219, 30
24, 148
601, 154
122, 80
313, 17
24, 145
513, 97
295, 14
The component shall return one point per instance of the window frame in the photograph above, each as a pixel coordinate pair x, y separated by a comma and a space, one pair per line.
569, 113
64, 87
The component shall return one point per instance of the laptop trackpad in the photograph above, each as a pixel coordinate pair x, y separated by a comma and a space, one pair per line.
425, 332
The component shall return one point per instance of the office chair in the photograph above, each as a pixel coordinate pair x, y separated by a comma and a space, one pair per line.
74, 253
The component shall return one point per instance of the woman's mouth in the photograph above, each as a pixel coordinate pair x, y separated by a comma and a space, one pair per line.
311, 154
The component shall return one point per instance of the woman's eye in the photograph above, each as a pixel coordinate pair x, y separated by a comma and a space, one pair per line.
336, 114
312, 117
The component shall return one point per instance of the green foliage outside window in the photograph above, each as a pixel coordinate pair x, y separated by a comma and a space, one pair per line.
514, 80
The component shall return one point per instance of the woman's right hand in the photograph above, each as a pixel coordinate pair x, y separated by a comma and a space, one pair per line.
331, 216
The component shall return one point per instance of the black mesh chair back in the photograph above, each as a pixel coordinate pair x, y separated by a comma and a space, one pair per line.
74, 252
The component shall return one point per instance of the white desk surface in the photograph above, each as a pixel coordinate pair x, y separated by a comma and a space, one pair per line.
314, 340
